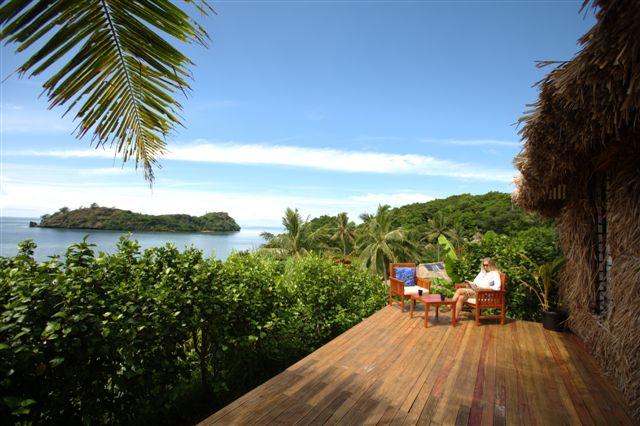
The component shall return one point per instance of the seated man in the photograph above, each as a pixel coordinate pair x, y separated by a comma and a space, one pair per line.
488, 278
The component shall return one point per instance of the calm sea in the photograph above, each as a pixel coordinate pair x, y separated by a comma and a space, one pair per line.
55, 241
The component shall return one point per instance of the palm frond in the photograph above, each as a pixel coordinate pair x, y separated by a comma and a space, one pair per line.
114, 66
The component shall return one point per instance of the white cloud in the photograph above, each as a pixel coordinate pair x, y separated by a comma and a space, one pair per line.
10, 107
106, 171
472, 142
68, 153
20, 197
315, 158
15, 119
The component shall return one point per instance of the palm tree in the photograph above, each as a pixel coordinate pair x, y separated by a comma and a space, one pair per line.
343, 230
112, 64
380, 244
436, 226
297, 239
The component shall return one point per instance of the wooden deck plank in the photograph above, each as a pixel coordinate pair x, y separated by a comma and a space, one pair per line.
451, 342
389, 369
383, 357
536, 378
388, 389
448, 373
460, 386
612, 405
580, 395
489, 385
500, 391
524, 408
555, 395
342, 355
398, 389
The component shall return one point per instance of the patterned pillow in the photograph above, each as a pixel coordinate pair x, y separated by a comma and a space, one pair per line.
405, 274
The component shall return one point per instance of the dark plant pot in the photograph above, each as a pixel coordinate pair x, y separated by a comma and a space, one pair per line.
554, 321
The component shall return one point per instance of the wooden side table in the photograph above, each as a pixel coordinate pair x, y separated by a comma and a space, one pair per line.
432, 300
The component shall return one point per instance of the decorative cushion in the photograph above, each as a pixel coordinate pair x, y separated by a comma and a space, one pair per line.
405, 274
411, 290
472, 300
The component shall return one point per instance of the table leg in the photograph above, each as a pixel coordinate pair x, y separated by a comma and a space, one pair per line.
453, 316
411, 304
437, 310
427, 308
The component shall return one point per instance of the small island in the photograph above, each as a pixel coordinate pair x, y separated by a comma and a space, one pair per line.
109, 218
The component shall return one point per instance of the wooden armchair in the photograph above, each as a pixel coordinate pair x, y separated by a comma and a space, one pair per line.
397, 287
488, 299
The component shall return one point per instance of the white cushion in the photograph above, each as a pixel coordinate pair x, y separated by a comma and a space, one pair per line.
472, 300
413, 289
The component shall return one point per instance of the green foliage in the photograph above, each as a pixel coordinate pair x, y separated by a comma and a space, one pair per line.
544, 284
447, 248
379, 243
109, 58
331, 298
297, 240
538, 244
98, 338
96, 217
442, 286
468, 214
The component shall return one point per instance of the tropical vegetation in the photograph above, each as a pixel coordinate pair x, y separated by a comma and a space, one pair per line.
460, 230
96, 217
168, 336
161, 335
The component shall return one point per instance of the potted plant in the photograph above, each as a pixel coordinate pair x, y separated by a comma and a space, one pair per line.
545, 287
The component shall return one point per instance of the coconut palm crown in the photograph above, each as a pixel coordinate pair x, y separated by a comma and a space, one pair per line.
379, 243
110, 64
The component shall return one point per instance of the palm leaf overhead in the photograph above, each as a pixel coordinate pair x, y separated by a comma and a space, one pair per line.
113, 65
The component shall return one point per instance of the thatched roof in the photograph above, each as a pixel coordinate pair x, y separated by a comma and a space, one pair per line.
586, 117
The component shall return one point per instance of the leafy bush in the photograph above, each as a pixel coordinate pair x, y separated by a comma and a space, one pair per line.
442, 286
538, 244
100, 338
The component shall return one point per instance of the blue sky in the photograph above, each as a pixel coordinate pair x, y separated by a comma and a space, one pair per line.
326, 106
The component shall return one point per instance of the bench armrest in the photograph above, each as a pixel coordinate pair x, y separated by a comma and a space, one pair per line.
424, 283
396, 286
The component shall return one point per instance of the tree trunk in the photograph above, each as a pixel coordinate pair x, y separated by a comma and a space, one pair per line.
384, 268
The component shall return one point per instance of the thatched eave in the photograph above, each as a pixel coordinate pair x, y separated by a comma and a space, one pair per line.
587, 109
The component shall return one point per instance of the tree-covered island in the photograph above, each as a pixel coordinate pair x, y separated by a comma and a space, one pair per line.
96, 217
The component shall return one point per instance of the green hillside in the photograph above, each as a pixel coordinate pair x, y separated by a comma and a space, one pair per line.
469, 214
96, 217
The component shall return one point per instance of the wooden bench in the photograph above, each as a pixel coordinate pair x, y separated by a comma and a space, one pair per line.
488, 299
397, 287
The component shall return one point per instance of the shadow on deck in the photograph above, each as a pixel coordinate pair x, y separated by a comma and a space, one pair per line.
390, 369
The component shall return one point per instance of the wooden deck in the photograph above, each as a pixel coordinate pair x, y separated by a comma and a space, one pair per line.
389, 369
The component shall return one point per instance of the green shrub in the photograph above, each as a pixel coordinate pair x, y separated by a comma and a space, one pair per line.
539, 244
442, 286
99, 338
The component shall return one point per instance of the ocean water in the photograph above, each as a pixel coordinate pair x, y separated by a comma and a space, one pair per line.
56, 241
